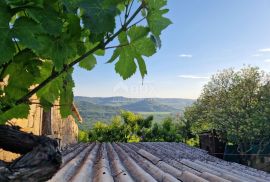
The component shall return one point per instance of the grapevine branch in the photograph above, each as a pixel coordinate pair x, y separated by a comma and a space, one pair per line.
130, 7
54, 75
139, 21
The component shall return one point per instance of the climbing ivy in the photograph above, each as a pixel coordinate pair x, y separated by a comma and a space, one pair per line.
42, 40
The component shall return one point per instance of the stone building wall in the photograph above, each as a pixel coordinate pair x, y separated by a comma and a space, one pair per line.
64, 130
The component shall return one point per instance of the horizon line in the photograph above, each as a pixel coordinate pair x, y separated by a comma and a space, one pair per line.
136, 97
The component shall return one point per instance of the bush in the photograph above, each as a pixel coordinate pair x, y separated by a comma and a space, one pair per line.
83, 136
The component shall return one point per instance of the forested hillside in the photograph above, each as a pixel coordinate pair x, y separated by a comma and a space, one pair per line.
94, 109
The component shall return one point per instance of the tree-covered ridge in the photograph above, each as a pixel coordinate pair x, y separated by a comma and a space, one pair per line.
42, 40
94, 109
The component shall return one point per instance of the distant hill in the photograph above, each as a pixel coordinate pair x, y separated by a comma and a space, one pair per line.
94, 109
106, 101
148, 105
92, 112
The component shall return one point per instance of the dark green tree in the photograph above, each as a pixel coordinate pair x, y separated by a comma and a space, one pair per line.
236, 104
128, 127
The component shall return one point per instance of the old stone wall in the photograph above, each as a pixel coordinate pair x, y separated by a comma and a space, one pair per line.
29, 125
65, 130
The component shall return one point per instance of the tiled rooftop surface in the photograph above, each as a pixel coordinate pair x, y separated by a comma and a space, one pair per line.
160, 161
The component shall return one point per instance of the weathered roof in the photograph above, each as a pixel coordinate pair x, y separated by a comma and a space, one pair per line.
76, 112
160, 161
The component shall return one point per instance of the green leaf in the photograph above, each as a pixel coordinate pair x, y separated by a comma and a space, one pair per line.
25, 30
142, 66
73, 27
66, 96
50, 34
100, 52
123, 38
89, 46
99, 16
51, 92
71, 6
156, 4
6, 45
115, 55
138, 46
156, 21
49, 20
60, 50
22, 73
137, 32
20, 111
144, 46
126, 66
81, 48
141, 44
45, 70
88, 63
156, 40
25, 3
144, 12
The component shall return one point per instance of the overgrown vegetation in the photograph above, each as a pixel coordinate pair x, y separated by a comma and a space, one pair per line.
237, 105
131, 127
42, 40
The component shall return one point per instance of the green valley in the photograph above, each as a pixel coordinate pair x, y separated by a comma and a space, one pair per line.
94, 109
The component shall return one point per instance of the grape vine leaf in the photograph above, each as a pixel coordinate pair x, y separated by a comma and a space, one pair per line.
27, 36
135, 45
50, 93
88, 63
40, 38
126, 66
98, 16
60, 50
19, 111
26, 3
66, 95
22, 73
156, 21
49, 20
6, 43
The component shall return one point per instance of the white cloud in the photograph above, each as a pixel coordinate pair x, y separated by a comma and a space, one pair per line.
264, 50
193, 77
257, 55
185, 55
267, 60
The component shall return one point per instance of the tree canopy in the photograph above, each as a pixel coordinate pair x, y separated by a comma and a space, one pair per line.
236, 104
132, 127
42, 40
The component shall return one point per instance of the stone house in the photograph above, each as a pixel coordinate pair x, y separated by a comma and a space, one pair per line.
49, 123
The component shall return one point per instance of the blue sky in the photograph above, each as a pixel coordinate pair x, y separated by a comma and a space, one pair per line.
206, 36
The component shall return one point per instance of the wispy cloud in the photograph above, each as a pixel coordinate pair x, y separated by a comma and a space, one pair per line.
193, 77
257, 55
267, 60
264, 50
185, 55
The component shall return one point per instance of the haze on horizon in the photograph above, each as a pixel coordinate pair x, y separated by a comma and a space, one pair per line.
205, 37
